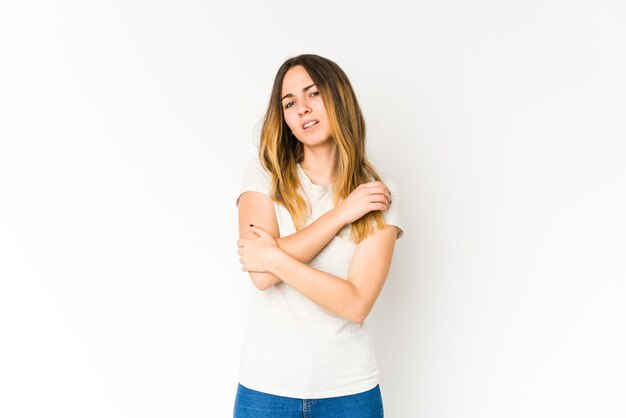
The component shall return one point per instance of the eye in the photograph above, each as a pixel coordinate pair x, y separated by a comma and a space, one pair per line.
288, 105
315, 93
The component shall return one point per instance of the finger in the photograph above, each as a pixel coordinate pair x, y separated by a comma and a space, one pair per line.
374, 206
384, 192
380, 199
376, 183
259, 231
379, 190
256, 230
378, 206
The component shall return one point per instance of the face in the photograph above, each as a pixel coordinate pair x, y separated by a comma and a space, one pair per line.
304, 109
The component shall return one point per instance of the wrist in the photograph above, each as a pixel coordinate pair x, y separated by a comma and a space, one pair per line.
337, 217
274, 259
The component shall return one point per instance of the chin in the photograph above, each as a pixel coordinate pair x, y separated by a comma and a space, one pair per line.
311, 142
315, 138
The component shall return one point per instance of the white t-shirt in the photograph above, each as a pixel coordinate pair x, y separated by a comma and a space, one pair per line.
294, 347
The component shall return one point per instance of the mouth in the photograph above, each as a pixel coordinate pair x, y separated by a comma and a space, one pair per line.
309, 124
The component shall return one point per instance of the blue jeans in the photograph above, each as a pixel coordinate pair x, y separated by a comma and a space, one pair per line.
252, 404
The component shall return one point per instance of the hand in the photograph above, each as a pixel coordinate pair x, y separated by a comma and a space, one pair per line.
364, 199
257, 253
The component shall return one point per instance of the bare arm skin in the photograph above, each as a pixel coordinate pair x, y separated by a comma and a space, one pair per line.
258, 209
353, 298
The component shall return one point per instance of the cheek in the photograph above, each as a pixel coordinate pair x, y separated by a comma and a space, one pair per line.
290, 121
320, 109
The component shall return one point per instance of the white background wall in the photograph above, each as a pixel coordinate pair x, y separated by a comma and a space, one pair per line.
125, 127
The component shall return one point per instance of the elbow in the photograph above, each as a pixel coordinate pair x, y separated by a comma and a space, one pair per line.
359, 309
262, 281
358, 318
262, 285
358, 314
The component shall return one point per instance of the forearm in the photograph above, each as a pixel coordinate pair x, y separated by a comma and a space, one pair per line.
308, 242
303, 245
263, 280
333, 293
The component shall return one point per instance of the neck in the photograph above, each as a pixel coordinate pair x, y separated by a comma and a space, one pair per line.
319, 163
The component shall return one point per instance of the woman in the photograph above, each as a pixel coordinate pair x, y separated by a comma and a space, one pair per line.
318, 229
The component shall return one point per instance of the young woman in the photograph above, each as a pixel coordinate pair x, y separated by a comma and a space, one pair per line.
318, 227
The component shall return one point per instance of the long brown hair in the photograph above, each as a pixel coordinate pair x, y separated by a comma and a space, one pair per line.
280, 151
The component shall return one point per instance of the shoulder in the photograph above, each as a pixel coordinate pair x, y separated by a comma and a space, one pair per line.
254, 169
254, 163
255, 178
389, 182
392, 215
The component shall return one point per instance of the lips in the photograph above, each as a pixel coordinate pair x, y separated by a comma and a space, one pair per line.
310, 123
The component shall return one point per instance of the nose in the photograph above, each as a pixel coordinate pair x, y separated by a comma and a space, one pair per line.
303, 107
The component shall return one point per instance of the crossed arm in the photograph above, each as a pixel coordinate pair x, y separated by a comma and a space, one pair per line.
258, 209
269, 259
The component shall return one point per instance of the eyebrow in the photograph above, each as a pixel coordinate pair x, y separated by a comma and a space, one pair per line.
291, 95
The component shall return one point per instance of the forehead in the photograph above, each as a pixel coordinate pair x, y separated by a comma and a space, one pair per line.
295, 80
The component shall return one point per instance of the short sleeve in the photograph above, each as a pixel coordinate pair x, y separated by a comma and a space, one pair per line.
255, 179
392, 215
